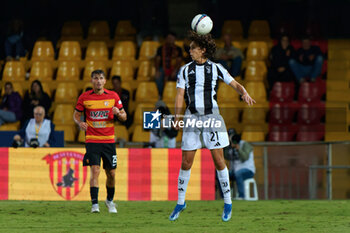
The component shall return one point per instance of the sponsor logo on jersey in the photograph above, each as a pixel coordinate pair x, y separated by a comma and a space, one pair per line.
99, 114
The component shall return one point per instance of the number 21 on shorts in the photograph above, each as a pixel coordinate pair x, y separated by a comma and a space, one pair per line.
214, 135
114, 160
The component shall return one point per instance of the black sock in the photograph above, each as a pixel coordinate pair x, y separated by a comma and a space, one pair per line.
110, 193
94, 195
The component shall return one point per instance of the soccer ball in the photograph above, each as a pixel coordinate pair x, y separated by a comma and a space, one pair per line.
202, 24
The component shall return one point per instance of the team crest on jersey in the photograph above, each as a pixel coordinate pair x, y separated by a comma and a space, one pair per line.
67, 174
208, 68
106, 103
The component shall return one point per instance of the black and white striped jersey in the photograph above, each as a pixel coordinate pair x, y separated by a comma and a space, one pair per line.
200, 82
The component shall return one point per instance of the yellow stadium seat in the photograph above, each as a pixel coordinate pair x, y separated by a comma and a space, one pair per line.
253, 136
237, 44
72, 29
180, 43
86, 85
146, 92
337, 136
140, 135
14, 71
336, 64
70, 131
338, 96
46, 88
124, 50
230, 113
41, 70
43, 51
124, 28
81, 136
255, 71
109, 85
257, 50
17, 86
140, 108
63, 114
226, 94
96, 50
70, 51
169, 92
91, 66
148, 50
98, 30
254, 115
338, 85
66, 93
124, 69
259, 29
10, 126
336, 113
146, 70
339, 54
338, 44
256, 90
338, 74
233, 28
127, 86
68, 71
121, 132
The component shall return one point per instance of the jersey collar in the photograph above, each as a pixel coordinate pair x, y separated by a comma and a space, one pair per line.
92, 92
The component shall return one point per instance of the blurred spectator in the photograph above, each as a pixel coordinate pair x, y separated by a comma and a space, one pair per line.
14, 41
124, 96
35, 97
163, 137
36, 132
241, 157
168, 62
229, 56
308, 62
279, 58
11, 105
186, 56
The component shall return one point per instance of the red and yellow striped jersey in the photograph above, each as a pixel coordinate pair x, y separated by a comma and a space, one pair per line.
99, 115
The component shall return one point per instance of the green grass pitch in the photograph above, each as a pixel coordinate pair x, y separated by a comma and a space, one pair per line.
200, 216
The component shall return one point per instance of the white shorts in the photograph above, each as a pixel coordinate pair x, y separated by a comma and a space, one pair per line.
212, 137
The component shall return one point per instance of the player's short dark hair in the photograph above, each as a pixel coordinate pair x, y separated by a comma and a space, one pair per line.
98, 72
116, 77
204, 42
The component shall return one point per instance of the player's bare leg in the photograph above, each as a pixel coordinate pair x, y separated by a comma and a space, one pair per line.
184, 177
222, 172
218, 158
94, 174
110, 186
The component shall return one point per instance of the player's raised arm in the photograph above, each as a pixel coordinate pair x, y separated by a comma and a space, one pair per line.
77, 117
179, 101
242, 91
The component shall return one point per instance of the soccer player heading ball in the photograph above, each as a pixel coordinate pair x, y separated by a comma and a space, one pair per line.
99, 106
197, 83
